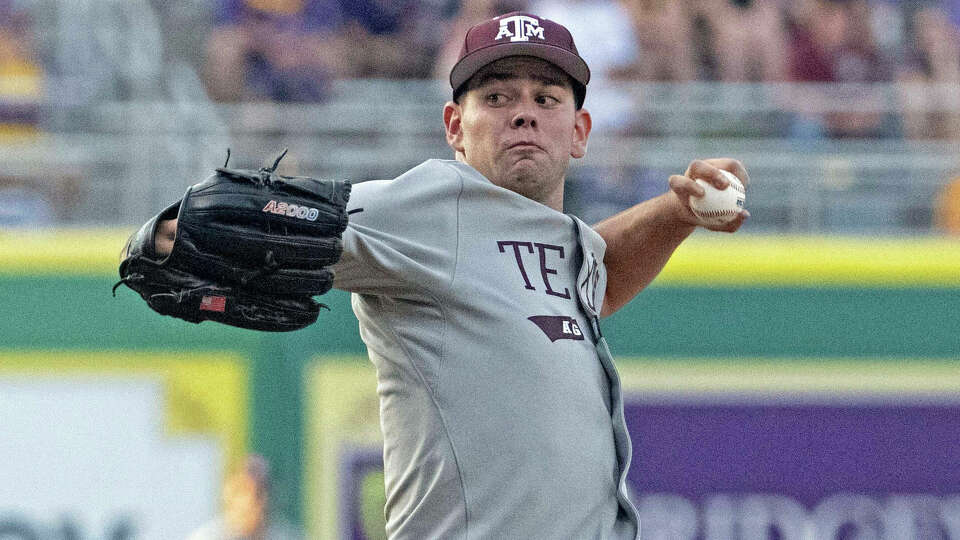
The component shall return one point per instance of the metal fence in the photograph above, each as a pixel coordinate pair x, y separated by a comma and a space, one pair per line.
118, 162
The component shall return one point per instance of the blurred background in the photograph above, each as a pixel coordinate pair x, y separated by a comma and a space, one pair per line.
797, 380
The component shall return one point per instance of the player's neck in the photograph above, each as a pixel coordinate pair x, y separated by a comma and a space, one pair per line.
552, 198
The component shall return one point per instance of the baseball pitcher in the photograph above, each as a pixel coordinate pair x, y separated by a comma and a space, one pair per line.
478, 299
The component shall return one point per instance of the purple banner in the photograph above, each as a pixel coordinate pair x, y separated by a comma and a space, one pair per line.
773, 471
806, 452
830, 471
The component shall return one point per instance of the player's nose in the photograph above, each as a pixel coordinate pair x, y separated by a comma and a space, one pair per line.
524, 118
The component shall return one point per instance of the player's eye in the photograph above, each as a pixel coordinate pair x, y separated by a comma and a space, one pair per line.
495, 98
547, 99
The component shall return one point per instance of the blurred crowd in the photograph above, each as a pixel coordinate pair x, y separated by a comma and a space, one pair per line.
288, 50
20, 72
291, 51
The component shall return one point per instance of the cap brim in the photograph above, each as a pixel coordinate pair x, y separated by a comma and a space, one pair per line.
570, 63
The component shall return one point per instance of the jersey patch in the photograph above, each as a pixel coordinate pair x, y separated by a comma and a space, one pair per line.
558, 327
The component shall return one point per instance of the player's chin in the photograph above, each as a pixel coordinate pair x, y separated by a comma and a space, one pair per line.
524, 169
525, 158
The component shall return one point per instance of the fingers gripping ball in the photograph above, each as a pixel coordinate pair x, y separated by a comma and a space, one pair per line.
252, 248
717, 206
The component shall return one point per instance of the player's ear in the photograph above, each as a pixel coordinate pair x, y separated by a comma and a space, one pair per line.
452, 121
581, 132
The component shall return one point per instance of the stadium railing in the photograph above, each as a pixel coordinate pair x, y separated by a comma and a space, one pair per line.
130, 158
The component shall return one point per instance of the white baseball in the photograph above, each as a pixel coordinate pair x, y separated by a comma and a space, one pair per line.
717, 206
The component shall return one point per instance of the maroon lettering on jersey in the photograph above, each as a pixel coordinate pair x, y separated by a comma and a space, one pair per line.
544, 271
558, 327
590, 283
516, 252
543, 251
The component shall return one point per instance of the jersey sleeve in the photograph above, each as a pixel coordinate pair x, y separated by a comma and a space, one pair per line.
402, 234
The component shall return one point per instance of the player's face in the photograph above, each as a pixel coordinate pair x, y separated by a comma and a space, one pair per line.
518, 125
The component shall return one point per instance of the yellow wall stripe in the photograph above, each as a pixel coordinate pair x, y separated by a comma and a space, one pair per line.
704, 259
751, 260
892, 377
62, 251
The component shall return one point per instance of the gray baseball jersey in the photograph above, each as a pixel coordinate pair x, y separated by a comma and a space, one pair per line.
501, 416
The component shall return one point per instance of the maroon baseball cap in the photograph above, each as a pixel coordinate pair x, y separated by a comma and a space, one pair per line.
518, 34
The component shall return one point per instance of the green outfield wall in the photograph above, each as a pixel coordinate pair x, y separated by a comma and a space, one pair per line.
780, 299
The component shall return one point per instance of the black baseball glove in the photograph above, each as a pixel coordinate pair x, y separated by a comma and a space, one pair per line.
252, 248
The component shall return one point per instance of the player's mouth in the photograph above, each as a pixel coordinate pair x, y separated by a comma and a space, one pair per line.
524, 145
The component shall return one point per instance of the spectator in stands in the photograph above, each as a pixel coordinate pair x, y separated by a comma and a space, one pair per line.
277, 50
246, 508
931, 75
742, 41
665, 41
946, 211
24, 201
747, 38
290, 50
398, 39
832, 41
22, 90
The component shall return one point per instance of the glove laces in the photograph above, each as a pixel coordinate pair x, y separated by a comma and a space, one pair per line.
270, 266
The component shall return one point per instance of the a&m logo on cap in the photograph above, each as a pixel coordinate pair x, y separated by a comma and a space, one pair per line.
523, 27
